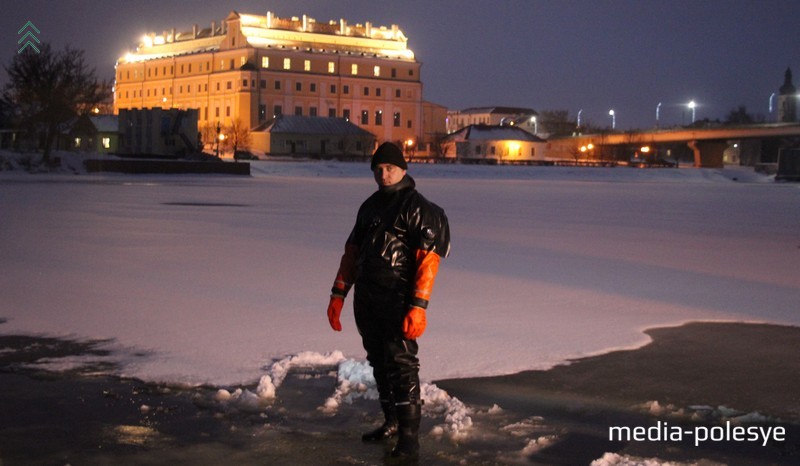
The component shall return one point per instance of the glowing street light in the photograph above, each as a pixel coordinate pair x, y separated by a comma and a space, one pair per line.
692, 105
579, 117
613, 119
658, 112
771, 96
535, 125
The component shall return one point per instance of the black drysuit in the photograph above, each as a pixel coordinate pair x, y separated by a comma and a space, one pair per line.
394, 228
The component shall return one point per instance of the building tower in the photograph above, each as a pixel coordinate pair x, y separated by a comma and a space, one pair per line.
787, 100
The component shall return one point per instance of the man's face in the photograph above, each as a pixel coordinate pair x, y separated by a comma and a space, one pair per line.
387, 174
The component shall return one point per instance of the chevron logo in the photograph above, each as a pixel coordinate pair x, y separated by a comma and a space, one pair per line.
28, 39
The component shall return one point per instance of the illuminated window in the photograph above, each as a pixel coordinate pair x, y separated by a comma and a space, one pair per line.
364, 117
77, 142
353, 69
264, 62
376, 71
307, 65
379, 117
287, 63
107, 143
397, 119
242, 61
331, 67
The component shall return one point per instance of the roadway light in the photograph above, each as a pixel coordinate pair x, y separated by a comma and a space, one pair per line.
658, 112
692, 105
613, 118
535, 125
579, 117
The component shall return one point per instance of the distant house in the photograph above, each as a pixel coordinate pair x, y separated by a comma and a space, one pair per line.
493, 144
95, 133
158, 132
313, 136
457, 119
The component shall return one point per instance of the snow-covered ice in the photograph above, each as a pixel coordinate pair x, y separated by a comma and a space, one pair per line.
224, 280
213, 279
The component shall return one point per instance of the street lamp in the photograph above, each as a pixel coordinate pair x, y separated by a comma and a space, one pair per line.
579, 117
535, 125
613, 119
692, 106
658, 112
771, 96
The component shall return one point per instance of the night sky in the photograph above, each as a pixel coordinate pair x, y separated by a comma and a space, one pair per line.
593, 55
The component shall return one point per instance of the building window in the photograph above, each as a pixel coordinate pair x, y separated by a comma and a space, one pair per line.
216, 112
378, 91
277, 85
287, 63
190, 67
366, 90
233, 63
376, 70
228, 111
307, 65
364, 117
353, 69
346, 114
332, 112
394, 72
264, 62
533, 152
278, 111
263, 84
408, 124
298, 86
298, 111
262, 112
491, 150
333, 88
346, 89
312, 111
313, 87
379, 117
397, 93
331, 67
229, 85
396, 119
106, 143
244, 83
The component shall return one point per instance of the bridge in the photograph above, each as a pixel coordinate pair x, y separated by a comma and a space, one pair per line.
707, 145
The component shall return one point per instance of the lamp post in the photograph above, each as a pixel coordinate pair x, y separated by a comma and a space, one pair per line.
658, 113
771, 96
613, 119
535, 125
692, 105
218, 138
579, 117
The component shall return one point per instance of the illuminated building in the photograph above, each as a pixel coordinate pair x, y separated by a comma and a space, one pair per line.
493, 144
253, 68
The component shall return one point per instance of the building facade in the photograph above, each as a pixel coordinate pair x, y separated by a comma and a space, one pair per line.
252, 68
457, 119
493, 144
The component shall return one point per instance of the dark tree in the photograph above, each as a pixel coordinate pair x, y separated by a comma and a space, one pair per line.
739, 116
48, 88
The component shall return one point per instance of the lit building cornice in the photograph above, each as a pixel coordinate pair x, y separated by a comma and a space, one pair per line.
270, 31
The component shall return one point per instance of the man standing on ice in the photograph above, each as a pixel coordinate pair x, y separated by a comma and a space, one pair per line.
392, 257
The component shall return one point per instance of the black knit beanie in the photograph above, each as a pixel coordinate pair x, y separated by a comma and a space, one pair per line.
388, 153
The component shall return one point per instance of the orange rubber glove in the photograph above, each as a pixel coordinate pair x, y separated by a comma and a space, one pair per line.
414, 323
334, 311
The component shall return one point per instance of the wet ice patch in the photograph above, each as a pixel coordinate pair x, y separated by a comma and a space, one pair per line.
704, 413
457, 420
354, 380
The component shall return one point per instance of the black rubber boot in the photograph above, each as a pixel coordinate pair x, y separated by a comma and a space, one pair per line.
389, 427
408, 417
